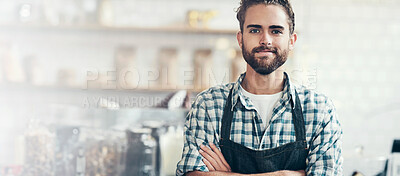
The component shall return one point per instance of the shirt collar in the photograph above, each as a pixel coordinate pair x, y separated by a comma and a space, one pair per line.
288, 90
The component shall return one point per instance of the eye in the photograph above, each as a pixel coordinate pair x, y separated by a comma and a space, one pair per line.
276, 32
254, 30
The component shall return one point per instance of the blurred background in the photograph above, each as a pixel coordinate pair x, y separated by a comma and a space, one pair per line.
102, 87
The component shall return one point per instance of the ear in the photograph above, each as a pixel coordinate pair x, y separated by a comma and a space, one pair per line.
292, 41
239, 36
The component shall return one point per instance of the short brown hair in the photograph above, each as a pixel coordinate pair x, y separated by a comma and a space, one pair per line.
245, 4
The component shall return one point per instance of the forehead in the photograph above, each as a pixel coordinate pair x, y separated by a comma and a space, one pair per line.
266, 15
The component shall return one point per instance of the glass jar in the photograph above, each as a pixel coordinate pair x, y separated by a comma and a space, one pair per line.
141, 152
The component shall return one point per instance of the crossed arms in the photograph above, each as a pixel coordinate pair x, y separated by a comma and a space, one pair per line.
217, 165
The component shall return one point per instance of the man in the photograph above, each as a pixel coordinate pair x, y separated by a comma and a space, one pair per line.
262, 124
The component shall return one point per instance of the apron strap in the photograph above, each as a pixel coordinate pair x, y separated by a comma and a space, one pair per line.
298, 119
227, 118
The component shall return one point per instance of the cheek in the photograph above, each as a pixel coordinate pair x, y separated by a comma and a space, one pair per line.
247, 46
283, 44
250, 42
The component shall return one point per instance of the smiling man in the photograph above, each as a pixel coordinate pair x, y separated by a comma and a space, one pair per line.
263, 124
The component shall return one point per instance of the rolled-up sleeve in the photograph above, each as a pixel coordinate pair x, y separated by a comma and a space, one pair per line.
198, 130
325, 156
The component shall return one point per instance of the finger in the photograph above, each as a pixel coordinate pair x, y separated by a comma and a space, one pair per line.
220, 155
210, 159
302, 172
217, 163
291, 173
209, 165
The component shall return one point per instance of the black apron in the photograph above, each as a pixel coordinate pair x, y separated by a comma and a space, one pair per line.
291, 156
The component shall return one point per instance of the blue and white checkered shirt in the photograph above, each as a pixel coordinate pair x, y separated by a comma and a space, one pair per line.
323, 130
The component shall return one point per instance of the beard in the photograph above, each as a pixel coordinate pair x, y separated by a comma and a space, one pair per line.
261, 64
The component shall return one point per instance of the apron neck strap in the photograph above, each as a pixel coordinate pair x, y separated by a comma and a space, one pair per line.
227, 118
298, 119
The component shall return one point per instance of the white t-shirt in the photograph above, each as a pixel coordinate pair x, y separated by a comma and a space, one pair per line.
264, 104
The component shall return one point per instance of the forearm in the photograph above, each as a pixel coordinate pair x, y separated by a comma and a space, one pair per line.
218, 173
212, 173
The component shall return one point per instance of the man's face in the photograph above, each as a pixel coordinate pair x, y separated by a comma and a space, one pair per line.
266, 39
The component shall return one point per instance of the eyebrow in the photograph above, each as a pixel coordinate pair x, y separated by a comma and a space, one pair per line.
254, 26
276, 27
270, 27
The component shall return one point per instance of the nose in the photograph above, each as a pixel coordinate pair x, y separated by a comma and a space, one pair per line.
266, 39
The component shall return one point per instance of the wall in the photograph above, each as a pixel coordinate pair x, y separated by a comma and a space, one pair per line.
347, 50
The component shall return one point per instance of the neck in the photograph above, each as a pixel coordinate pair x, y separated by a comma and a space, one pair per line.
256, 83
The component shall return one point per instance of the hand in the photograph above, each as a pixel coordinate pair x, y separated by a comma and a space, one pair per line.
291, 173
213, 159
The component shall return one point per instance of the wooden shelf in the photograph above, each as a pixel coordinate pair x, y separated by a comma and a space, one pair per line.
45, 27
45, 88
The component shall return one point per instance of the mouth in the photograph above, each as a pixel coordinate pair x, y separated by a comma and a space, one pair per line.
265, 52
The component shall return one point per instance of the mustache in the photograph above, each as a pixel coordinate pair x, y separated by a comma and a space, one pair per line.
260, 48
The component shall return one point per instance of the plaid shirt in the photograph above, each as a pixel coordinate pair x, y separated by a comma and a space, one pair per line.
323, 130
